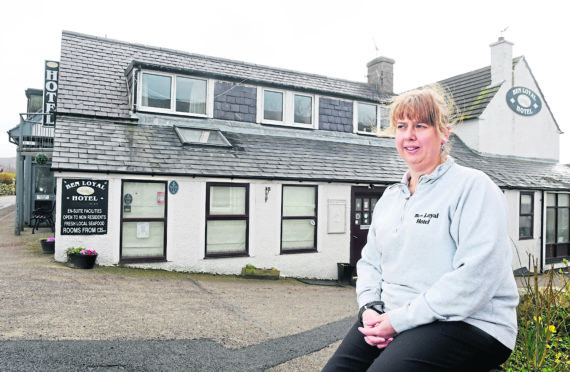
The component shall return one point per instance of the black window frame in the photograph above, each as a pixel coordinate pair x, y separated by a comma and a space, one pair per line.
531, 215
164, 219
314, 217
551, 253
226, 217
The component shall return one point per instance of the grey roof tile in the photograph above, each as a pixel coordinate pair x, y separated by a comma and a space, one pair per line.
92, 74
280, 154
472, 91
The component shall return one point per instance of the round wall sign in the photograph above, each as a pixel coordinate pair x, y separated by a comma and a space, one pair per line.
173, 187
523, 101
128, 199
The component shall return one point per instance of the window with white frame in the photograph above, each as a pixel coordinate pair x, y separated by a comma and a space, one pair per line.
227, 219
172, 93
289, 108
366, 118
299, 219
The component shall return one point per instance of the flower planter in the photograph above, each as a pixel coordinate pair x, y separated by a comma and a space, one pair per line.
250, 273
47, 247
82, 261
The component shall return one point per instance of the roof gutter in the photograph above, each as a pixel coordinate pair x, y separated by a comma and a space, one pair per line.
170, 174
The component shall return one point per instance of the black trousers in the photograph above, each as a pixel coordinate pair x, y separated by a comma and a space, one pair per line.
437, 347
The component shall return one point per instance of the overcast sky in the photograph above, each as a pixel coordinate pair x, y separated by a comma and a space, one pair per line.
429, 40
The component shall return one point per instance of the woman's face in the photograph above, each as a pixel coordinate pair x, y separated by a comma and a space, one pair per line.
419, 144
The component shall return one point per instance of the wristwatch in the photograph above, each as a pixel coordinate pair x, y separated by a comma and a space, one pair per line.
377, 306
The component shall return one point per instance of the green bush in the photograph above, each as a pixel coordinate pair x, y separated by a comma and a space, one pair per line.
7, 184
543, 341
7, 189
7, 178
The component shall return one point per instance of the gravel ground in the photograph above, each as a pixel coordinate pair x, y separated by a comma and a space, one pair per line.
43, 300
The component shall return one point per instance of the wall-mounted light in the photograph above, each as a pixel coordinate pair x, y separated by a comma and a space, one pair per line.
267, 190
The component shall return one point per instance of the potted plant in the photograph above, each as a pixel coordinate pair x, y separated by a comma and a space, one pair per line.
41, 158
81, 258
252, 272
48, 245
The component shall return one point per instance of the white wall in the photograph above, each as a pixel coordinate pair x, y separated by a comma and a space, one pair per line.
522, 248
504, 132
186, 226
501, 131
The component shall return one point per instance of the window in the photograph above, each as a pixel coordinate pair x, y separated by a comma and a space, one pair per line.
35, 104
557, 226
281, 107
273, 105
227, 219
366, 118
190, 94
299, 219
526, 215
303, 109
44, 181
156, 91
143, 222
196, 136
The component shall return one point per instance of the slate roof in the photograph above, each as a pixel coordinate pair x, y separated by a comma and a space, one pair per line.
266, 153
472, 91
93, 95
92, 74
257, 153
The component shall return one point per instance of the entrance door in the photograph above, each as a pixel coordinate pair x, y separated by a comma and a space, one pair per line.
363, 201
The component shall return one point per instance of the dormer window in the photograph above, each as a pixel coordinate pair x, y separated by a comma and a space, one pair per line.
286, 108
366, 118
171, 93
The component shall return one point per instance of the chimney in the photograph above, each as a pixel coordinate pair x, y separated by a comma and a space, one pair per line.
502, 62
381, 74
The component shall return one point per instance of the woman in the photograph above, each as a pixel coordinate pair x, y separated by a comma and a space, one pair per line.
435, 284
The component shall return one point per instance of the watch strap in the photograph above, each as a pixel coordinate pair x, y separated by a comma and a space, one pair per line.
377, 306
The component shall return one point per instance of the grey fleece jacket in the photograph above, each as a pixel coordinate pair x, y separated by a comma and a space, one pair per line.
442, 253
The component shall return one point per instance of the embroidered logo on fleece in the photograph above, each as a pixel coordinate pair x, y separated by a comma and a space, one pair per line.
425, 218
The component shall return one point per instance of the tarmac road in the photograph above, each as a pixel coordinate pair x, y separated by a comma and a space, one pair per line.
55, 318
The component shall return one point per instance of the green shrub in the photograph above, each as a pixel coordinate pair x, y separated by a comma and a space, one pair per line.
7, 178
543, 341
7, 184
7, 189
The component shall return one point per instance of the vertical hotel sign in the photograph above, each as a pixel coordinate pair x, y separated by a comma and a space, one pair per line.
50, 92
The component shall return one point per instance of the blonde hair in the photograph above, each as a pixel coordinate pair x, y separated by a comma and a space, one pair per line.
430, 105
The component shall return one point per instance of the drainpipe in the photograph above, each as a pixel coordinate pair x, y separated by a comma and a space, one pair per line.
18, 217
542, 247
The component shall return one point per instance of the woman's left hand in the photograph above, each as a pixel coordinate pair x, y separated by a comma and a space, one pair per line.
378, 331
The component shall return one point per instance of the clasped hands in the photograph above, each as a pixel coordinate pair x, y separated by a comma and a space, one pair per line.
377, 329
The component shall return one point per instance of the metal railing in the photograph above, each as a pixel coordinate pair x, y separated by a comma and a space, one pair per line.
31, 134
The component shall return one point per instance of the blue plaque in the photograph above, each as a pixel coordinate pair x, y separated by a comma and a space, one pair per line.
173, 187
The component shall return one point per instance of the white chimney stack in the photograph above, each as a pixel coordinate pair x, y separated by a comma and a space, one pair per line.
502, 62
